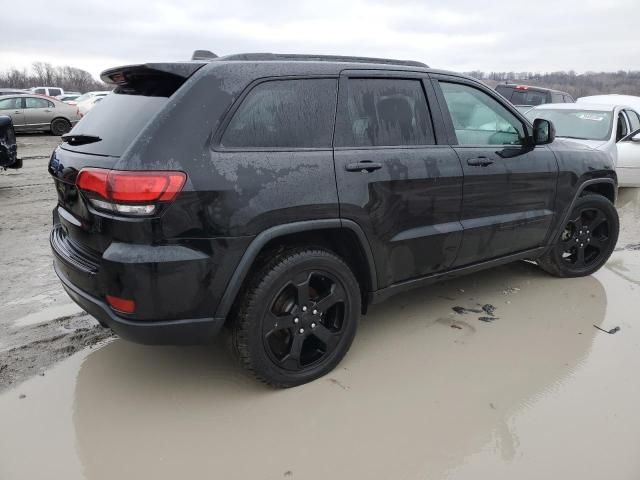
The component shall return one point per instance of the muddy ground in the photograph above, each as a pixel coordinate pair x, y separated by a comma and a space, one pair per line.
39, 324
504, 374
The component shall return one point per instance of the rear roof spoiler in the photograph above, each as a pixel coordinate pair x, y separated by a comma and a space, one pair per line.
153, 79
121, 75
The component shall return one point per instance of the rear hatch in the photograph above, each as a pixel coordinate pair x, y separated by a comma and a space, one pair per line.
99, 140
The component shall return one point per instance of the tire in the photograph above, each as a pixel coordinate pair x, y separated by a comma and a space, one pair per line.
298, 317
587, 240
60, 126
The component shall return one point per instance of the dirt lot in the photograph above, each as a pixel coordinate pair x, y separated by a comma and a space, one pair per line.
39, 324
429, 390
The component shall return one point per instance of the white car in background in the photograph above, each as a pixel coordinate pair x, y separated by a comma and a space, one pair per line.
69, 97
87, 101
614, 129
613, 99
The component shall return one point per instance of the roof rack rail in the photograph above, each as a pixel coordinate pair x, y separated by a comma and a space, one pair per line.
318, 58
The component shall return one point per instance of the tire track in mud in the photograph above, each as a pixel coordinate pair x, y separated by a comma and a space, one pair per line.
36, 348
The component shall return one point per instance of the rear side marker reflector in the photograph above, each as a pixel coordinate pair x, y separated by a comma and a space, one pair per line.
127, 192
121, 304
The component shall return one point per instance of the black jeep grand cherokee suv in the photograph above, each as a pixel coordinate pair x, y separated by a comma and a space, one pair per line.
280, 195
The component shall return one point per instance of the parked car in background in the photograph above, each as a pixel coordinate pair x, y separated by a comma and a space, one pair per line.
87, 101
47, 91
8, 145
524, 97
613, 99
70, 98
249, 191
37, 112
614, 129
12, 91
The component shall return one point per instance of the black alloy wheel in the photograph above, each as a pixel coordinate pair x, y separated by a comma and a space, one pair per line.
587, 239
298, 317
306, 319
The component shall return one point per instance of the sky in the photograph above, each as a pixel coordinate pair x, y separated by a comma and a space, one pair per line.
459, 35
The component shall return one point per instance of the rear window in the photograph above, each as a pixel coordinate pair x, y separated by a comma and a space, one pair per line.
528, 97
505, 91
524, 96
117, 120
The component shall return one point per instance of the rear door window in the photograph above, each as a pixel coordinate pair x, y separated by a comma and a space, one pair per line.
385, 112
557, 98
285, 114
33, 102
53, 92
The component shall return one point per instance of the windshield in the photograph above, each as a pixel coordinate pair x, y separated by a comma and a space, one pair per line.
580, 124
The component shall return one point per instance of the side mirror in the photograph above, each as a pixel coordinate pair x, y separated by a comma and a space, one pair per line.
543, 132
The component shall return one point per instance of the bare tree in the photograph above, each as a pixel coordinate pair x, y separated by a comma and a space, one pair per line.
45, 74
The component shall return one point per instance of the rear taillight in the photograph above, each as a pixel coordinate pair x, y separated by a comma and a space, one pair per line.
130, 193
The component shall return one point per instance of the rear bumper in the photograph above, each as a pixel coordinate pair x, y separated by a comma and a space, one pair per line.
172, 332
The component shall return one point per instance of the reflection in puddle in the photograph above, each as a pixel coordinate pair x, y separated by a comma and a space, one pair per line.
413, 399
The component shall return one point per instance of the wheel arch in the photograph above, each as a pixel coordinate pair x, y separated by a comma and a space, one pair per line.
602, 186
344, 237
60, 117
605, 186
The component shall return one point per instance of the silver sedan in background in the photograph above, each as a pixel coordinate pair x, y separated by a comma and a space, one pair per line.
31, 112
614, 129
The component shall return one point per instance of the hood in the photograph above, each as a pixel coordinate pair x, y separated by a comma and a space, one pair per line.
595, 144
602, 145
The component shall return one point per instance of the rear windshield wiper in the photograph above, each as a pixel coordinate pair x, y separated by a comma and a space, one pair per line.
80, 139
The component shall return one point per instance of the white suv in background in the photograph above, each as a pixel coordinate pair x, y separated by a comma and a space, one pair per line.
48, 91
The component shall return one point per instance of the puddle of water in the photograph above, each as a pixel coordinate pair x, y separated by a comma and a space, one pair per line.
415, 398
48, 314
